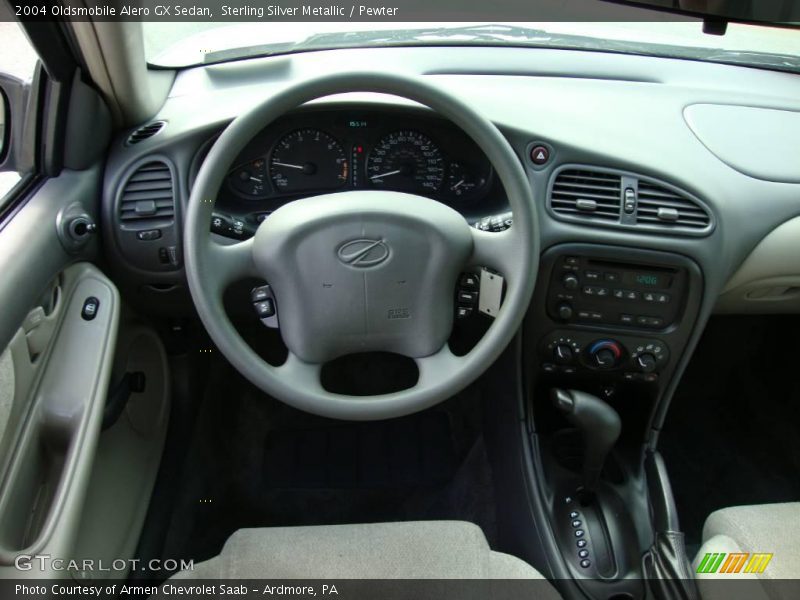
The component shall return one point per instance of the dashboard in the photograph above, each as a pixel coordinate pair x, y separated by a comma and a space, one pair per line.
325, 151
644, 214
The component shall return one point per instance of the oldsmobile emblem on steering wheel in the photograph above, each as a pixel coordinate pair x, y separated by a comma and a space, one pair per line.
363, 253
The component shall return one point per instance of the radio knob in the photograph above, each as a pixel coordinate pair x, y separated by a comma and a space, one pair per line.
570, 281
605, 354
562, 354
565, 311
646, 362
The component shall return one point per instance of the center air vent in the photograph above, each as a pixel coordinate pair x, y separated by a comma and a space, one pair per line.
148, 198
144, 132
663, 207
587, 194
595, 195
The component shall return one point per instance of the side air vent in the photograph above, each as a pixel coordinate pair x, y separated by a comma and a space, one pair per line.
588, 194
145, 131
148, 197
663, 207
612, 198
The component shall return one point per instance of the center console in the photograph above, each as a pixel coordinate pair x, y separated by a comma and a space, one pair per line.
601, 346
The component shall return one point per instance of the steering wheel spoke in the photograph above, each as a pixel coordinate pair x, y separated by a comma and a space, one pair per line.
499, 251
306, 375
227, 264
435, 368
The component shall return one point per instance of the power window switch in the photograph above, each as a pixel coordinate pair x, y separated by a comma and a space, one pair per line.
90, 307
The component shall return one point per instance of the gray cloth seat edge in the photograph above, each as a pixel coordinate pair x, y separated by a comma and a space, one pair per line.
407, 550
760, 528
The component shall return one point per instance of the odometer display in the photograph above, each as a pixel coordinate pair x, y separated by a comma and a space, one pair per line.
306, 160
406, 161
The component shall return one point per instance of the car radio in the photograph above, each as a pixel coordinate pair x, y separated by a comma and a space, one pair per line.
591, 291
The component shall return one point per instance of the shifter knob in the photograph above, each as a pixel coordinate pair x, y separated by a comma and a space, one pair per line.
599, 424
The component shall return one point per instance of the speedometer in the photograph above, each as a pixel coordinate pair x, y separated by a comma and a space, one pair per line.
308, 159
406, 161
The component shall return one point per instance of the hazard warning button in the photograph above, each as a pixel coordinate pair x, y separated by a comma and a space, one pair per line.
540, 155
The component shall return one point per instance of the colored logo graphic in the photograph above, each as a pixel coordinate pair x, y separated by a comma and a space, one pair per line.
734, 562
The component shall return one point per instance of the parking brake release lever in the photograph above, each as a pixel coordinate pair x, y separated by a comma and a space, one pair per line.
599, 424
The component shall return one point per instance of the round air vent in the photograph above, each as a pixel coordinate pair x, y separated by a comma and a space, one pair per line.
144, 132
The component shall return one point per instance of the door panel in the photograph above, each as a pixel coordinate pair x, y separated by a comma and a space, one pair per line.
50, 459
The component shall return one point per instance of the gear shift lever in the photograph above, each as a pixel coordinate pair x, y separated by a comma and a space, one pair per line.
599, 424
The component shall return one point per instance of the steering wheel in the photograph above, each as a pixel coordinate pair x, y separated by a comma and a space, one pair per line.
362, 271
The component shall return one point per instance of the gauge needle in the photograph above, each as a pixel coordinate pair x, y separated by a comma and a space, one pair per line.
458, 185
280, 164
385, 174
255, 179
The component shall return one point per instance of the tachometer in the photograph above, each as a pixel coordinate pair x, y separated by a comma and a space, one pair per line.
407, 161
308, 159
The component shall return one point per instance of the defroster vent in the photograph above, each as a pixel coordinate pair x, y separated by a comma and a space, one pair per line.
144, 132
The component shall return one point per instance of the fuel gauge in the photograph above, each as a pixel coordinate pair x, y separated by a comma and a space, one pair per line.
250, 179
462, 180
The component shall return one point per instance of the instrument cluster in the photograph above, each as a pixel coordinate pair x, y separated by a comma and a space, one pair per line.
314, 151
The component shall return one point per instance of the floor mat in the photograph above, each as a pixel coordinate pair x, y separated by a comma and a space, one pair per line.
732, 434
412, 451
255, 462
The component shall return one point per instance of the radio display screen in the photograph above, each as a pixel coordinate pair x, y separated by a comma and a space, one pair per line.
647, 279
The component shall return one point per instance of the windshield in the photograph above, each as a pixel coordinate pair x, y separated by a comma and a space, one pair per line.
176, 45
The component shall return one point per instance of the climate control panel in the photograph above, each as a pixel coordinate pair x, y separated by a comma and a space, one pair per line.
630, 358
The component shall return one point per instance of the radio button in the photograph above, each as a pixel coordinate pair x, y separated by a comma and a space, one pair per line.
648, 296
650, 321
592, 275
611, 277
626, 319
662, 298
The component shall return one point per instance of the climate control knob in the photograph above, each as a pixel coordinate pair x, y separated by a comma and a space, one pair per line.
605, 354
562, 354
646, 362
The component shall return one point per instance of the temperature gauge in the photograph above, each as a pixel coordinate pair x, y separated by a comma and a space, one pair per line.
462, 181
250, 179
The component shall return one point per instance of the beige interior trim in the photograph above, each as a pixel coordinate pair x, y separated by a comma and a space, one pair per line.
114, 56
769, 279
